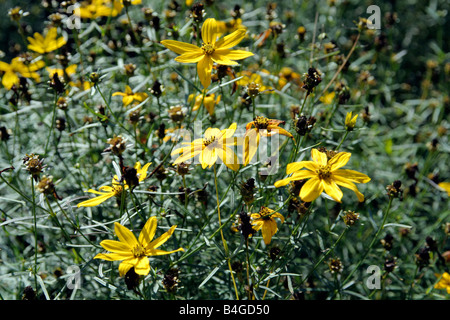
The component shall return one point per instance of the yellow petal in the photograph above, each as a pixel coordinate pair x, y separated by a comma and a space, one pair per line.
158, 252
116, 247
190, 57
161, 240
9, 79
142, 266
222, 59
233, 54
319, 157
250, 145
228, 157
332, 190
231, 40
351, 175
125, 235
126, 265
204, 68
339, 160
268, 230
95, 201
148, 232
209, 31
110, 256
311, 190
349, 185
180, 47
295, 166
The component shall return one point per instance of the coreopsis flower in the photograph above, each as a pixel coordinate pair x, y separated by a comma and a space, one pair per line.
350, 121
260, 127
134, 252
129, 96
49, 43
445, 186
264, 220
249, 77
328, 97
16, 68
444, 282
116, 188
209, 101
212, 50
288, 75
214, 144
324, 175
98, 8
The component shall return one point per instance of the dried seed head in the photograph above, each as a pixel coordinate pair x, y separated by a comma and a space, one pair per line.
60, 124
157, 89
395, 190
335, 265
17, 13
34, 165
117, 145
248, 191
350, 217
176, 113
129, 69
61, 103
46, 185
390, 264
312, 80
171, 280
197, 12
387, 242
253, 89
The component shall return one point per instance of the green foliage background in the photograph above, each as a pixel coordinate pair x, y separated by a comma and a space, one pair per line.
408, 105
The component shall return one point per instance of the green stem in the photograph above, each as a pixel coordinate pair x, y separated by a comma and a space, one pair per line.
35, 233
380, 228
343, 139
326, 254
225, 246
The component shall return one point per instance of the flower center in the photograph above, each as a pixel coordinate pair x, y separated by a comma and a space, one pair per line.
324, 172
261, 122
117, 189
207, 142
138, 251
265, 213
208, 48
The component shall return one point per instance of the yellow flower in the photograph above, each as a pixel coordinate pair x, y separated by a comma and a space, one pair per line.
230, 26
444, 282
134, 252
17, 67
287, 75
115, 189
249, 77
98, 8
264, 221
324, 175
69, 71
215, 144
210, 101
48, 44
262, 127
350, 121
445, 186
212, 50
328, 98
129, 96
